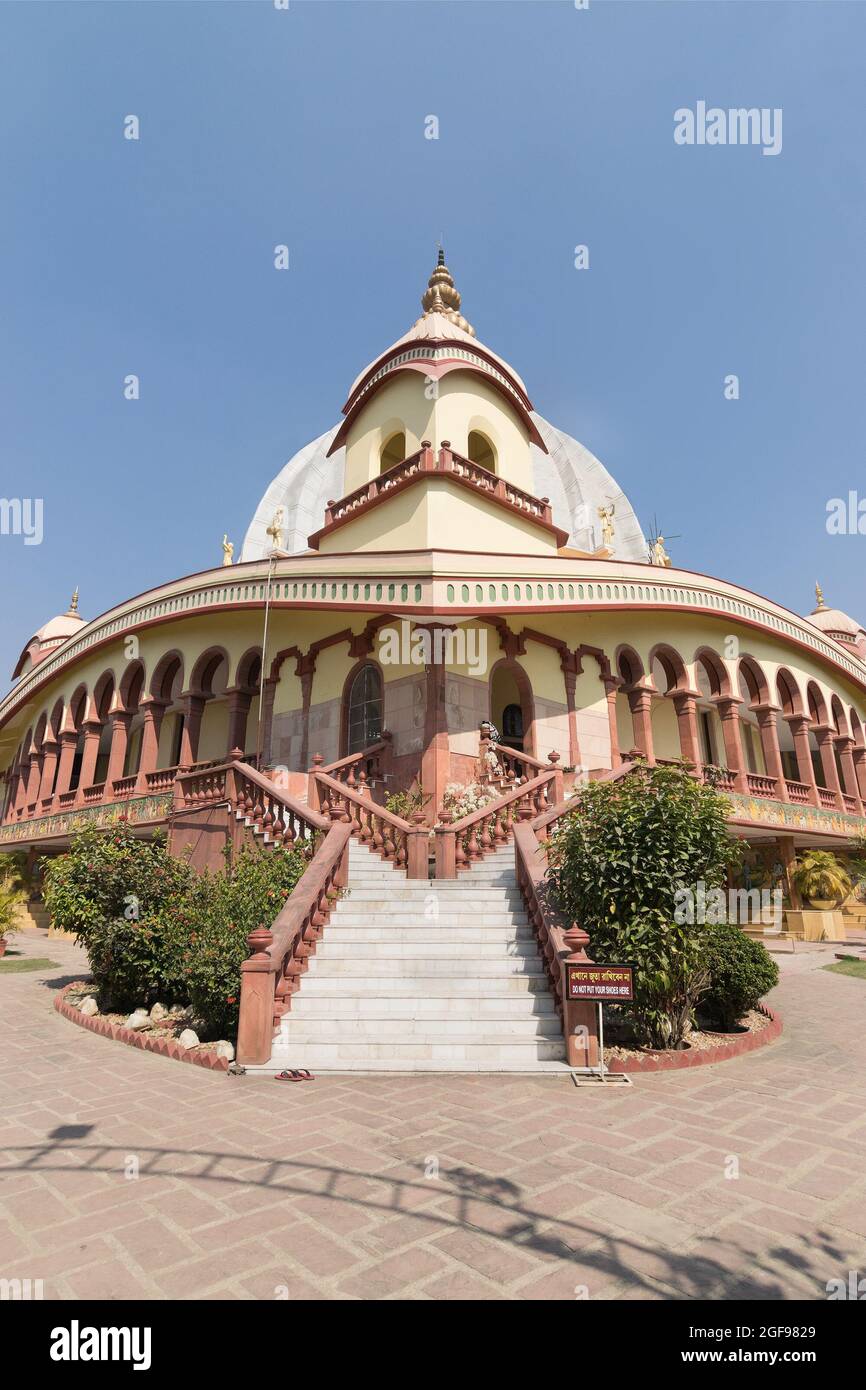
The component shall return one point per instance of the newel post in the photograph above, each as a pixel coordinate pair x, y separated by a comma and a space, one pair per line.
313, 800
446, 847
416, 847
579, 1019
558, 783
258, 982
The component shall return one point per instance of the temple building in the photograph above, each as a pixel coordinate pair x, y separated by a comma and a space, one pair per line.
441, 560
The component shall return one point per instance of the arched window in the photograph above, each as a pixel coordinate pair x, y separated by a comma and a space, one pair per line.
481, 451
393, 452
364, 722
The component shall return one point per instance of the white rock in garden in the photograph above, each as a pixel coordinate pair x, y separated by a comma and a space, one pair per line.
88, 1006
158, 1013
140, 1018
188, 1038
224, 1049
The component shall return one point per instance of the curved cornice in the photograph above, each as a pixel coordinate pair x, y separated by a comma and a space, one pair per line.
438, 582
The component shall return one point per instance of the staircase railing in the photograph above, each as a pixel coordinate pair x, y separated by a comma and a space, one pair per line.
514, 764
280, 953
461, 843
357, 771
263, 806
402, 843
560, 944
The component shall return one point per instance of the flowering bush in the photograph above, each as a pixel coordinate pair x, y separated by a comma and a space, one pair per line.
463, 800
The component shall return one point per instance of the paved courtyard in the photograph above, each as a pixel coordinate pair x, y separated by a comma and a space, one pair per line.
431, 1187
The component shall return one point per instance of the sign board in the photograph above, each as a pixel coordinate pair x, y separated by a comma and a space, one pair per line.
601, 984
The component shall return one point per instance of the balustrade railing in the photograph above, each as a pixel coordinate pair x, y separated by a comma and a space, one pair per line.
359, 771
798, 792
461, 843
124, 786
403, 843
827, 799
760, 785
850, 804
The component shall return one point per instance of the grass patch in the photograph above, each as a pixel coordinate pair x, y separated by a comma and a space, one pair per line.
850, 966
22, 963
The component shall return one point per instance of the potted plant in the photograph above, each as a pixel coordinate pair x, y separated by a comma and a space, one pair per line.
821, 880
11, 899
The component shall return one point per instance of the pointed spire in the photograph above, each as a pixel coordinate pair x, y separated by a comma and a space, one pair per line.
73, 602
442, 297
819, 595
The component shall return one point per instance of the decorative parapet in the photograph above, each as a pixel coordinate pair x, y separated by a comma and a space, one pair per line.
137, 811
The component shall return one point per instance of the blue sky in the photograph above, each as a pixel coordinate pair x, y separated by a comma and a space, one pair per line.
306, 127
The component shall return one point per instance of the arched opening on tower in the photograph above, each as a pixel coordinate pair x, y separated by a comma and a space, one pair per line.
393, 452
481, 451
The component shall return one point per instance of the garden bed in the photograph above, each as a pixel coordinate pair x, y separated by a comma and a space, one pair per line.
761, 1026
160, 1036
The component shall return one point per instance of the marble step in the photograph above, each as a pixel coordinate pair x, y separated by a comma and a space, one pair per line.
457, 952
407, 1005
365, 960
377, 985
388, 1028
486, 1052
431, 932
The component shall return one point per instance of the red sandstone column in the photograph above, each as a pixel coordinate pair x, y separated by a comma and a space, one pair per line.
193, 709
766, 715
436, 758
611, 686
68, 744
34, 779
569, 675
859, 756
729, 715
845, 744
684, 703
120, 721
640, 704
788, 857
92, 734
825, 735
50, 750
305, 670
239, 708
799, 726
152, 713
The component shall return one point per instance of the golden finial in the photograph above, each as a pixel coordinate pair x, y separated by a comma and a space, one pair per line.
819, 594
442, 297
73, 602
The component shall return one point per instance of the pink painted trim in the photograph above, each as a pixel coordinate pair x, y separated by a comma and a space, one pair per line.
162, 1046
677, 1061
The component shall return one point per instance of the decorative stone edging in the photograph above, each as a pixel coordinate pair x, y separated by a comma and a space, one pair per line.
164, 1047
676, 1061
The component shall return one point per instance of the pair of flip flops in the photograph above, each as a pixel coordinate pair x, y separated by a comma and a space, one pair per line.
301, 1075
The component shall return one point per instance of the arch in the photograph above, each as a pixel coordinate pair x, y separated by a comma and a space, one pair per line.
165, 676
817, 704
508, 679
362, 707
393, 451
628, 665
481, 450
788, 693
839, 718
55, 721
751, 675
103, 694
715, 670
672, 666
39, 732
857, 730
249, 671
76, 710
205, 671
131, 686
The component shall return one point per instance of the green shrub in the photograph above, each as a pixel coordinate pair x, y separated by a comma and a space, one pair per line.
616, 864
113, 891
211, 924
741, 970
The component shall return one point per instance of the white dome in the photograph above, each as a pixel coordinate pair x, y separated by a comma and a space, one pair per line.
573, 478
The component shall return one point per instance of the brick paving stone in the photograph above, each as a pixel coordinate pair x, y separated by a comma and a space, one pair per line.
252, 1190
